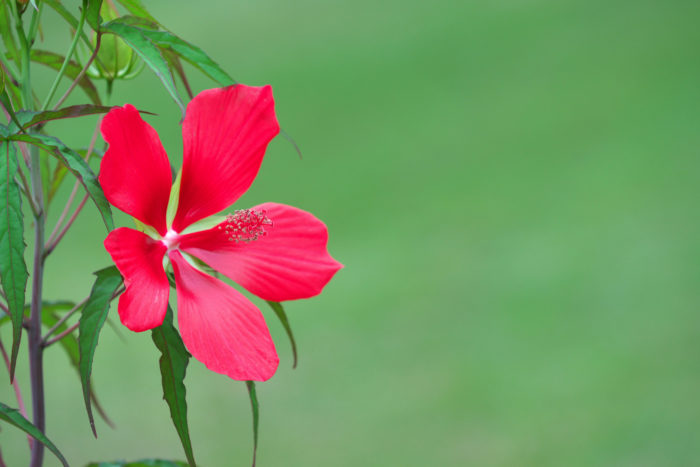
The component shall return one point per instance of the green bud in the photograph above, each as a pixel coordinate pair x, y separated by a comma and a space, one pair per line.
115, 59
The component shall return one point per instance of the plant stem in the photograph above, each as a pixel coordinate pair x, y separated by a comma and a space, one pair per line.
35, 339
36, 366
71, 49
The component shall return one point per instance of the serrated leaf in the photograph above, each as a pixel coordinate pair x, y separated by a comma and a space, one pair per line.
13, 270
173, 366
136, 8
92, 319
141, 463
93, 13
190, 53
175, 65
279, 311
72, 111
54, 61
7, 103
59, 172
70, 345
256, 416
77, 166
149, 53
13, 417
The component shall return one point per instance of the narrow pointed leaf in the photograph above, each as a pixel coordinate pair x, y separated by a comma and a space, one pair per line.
6, 29
93, 13
13, 270
279, 311
190, 53
72, 111
92, 319
173, 366
6, 102
70, 345
141, 463
136, 8
77, 166
256, 416
13, 417
60, 171
54, 61
149, 53
176, 66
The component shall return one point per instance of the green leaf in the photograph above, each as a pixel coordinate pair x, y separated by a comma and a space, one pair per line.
192, 54
141, 463
13, 270
13, 417
73, 111
93, 13
6, 102
70, 345
279, 311
6, 30
137, 9
92, 319
59, 172
256, 416
173, 366
77, 166
54, 61
149, 53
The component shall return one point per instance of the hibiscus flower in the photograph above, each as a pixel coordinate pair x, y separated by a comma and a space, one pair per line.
274, 251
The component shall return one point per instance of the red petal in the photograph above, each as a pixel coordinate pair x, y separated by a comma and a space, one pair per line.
289, 262
135, 172
220, 327
140, 260
225, 134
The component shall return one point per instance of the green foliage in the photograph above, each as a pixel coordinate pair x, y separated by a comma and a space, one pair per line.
70, 345
54, 61
279, 311
149, 53
136, 8
13, 270
77, 166
92, 319
190, 53
93, 13
173, 366
30, 119
13, 417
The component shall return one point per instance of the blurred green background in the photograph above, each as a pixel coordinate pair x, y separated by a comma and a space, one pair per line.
512, 186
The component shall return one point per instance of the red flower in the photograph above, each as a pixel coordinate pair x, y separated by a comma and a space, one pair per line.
276, 252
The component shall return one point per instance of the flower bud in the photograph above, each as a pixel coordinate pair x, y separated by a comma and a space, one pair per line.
115, 59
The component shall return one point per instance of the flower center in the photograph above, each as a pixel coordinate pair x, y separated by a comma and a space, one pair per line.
245, 225
171, 240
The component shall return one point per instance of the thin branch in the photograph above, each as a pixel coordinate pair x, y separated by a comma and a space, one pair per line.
69, 54
61, 335
50, 247
55, 237
82, 72
63, 319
